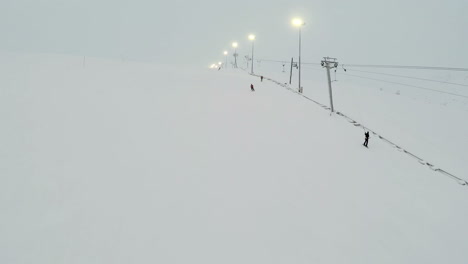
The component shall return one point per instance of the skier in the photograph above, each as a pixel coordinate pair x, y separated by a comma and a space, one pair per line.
261, 78
366, 141
252, 88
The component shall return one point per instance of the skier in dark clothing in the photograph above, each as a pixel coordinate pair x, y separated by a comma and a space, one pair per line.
261, 78
252, 88
366, 141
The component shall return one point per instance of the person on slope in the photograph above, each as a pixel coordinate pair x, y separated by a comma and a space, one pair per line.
261, 78
252, 88
366, 141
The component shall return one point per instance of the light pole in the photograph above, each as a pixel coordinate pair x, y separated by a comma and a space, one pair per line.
234, 45
225, 55
297, 22
252, 38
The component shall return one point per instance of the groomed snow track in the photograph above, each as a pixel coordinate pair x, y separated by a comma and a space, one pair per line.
358, 124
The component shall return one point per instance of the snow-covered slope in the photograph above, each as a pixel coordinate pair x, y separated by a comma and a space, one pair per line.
427, 118
119, 162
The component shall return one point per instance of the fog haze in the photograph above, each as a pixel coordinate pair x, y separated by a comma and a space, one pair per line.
431, 33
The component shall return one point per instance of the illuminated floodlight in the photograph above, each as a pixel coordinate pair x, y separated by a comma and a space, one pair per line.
252, 37
225, 53
234, 45
297, 22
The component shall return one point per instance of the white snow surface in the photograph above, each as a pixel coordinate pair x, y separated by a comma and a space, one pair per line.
125, 162
425, 122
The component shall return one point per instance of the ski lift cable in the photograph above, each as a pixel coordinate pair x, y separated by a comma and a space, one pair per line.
305, 64
279, 61
407, 67
409, 85
410, 77
387, 66
285, 61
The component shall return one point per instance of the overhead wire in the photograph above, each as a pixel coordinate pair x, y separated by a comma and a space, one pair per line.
409, 85
407, 67
384, 66
410, 77
284, 61
391, 75
280, 61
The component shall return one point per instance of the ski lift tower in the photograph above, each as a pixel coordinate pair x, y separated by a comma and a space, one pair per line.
330, 63
235, 45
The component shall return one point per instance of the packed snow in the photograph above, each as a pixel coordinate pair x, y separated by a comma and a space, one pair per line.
106, 161
425, 117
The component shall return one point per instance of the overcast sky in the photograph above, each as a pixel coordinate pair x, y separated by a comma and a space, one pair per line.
405, 32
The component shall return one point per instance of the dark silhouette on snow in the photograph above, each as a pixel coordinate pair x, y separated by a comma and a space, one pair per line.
252, 88
366, 141
261, 78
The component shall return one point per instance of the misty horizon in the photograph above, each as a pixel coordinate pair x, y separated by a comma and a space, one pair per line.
179, 32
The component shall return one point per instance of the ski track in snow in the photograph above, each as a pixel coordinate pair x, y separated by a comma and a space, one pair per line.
358, 124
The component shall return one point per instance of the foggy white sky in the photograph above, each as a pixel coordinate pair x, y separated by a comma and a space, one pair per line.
407, 32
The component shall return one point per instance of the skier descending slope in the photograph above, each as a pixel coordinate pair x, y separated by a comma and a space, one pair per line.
252, 88
366, 141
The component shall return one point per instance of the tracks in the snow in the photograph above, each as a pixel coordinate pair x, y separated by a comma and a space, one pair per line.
357, 124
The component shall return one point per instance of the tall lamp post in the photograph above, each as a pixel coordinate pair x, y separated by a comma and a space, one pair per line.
297, 22
234, 45
225, 55
252, 38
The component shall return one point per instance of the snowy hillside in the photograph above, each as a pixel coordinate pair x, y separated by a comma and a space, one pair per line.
425, 117
123, 162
